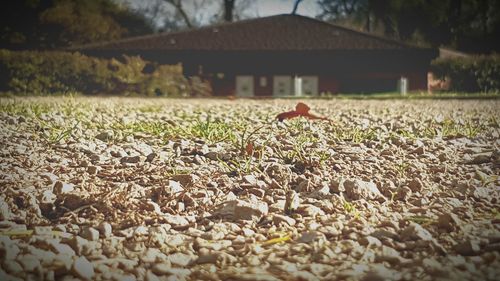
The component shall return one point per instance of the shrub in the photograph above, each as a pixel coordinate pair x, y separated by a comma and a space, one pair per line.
470, 74
44, 72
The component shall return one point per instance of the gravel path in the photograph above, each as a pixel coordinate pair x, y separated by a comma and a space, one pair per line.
160, 189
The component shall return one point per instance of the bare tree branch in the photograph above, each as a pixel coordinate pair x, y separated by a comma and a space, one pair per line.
178, 5
296, 6
228, 10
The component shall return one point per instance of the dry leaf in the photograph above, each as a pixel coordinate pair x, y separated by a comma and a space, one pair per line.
301, 109
249, 149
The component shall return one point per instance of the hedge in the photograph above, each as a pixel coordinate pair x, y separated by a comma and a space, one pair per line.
49, 72
470, 74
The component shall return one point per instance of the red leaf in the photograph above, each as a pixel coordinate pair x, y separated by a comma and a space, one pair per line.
301, 109
249, 149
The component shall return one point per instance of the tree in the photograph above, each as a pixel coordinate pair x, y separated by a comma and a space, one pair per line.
228, 10
469, 25
19, 23
177, 4
57, 23
296, 6
173, 15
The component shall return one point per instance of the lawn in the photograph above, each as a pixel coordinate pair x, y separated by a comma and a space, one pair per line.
187, 189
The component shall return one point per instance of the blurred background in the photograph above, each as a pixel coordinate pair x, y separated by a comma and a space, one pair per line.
462, 28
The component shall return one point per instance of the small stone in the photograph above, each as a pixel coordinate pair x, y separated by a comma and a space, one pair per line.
379, 272
59, 248
419, 150
5, 212
90, 234
83, 268
493, 247
48, 197
390, 255
150, 157
370, 241
309, 210
143, 149
218, 257
150, 276
415, 231
321, 192
443, 157
292, 201
448, 222
468, 248
403, 193
77, 243
250, 179
11, 121
166, 268
481, 193
480, 159
105, 135
310, 236
174, 187
278, 219
179, 259
434, 268
243, 210
12, 266
8, 250
212, 155
151, 255
28, 262
416, 185
61, 187
92, 170
105, 229
175, 220
337, 186
259, 192
186, 180
131, 159
174, 240
247, 232
42, 230
358, 189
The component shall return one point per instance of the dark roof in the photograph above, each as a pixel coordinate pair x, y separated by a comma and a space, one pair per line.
280, 32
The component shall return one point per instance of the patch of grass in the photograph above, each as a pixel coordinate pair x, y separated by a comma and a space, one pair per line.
56, 133
452, 129
416, 95
159, 129
353, 134
212, 131
245, 137
27, 109
486, 179
422, 220
239, 166
351, 209
150, 109
401, 168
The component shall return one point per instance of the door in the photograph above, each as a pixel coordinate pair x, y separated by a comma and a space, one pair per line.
282, 85
309, 85
244, 86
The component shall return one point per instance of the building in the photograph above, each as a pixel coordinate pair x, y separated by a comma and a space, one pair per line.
282, 55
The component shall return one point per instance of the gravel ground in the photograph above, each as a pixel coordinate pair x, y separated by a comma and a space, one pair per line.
159, 189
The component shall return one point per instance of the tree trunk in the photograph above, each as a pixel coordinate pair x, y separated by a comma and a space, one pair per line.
228, 10
296, 6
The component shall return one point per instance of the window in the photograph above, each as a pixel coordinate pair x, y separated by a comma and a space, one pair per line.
263, 81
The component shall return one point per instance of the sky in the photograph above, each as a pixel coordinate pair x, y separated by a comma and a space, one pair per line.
273, 7
255, 8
